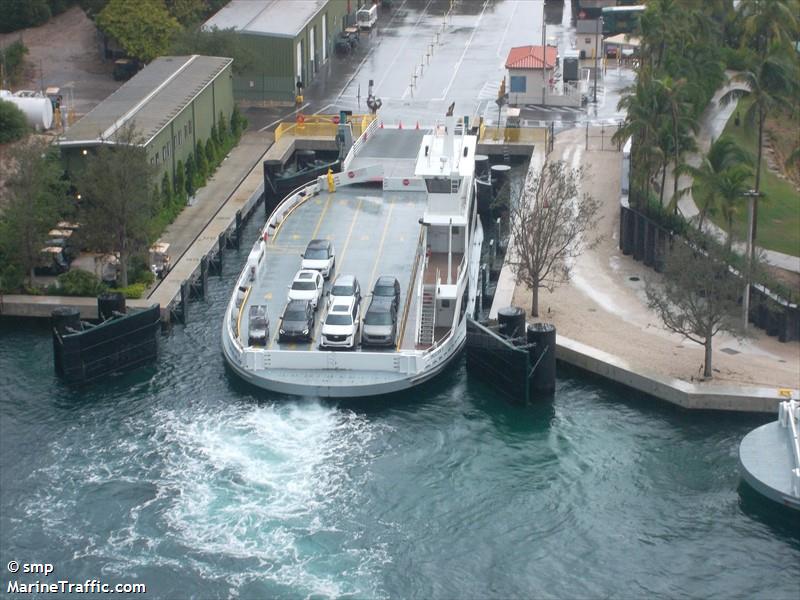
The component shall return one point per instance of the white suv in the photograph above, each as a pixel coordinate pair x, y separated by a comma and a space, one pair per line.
340, 328
307, 285
321, 256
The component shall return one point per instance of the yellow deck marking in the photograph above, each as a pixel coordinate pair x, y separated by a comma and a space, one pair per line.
339, 262
295, 236
268, 296
364, 238
321, 217
380, 244
241, 312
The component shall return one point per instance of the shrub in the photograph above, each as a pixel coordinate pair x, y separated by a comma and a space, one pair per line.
79, 283
13, 59
13, 125
133, 292
18, 14
211, 155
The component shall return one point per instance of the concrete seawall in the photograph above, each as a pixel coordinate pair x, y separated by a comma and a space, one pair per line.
696, 396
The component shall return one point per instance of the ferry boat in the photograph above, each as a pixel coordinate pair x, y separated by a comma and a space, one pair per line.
404, 207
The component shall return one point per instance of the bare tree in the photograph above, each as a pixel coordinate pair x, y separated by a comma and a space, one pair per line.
35, 195
118, 203
548, 227
698, 298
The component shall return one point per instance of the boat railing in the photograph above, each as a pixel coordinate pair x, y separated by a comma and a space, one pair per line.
419, 256
355, 149
788, 416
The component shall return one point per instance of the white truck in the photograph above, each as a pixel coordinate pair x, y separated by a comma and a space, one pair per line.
367, 17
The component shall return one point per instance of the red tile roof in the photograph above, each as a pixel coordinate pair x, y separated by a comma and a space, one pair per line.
530, 57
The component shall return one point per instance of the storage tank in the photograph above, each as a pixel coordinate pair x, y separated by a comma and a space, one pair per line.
38, 109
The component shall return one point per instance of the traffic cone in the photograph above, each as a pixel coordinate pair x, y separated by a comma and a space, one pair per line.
381, 124
400, 126
417, 127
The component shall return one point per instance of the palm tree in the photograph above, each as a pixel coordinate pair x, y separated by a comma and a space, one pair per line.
769, 21
723, 155
642, 104
770, 85
681, 119
731, 186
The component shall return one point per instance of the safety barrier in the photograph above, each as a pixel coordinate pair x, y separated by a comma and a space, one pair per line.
321, 126
518, 135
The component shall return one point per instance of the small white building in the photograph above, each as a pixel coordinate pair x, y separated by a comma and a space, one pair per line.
530, 74
589, 37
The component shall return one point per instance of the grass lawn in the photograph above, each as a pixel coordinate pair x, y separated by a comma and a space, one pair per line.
779, 209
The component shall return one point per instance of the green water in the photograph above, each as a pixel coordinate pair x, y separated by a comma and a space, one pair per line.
183, 478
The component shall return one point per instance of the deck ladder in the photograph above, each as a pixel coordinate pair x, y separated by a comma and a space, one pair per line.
427, 322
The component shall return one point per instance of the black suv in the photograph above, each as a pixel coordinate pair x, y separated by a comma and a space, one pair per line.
297, 321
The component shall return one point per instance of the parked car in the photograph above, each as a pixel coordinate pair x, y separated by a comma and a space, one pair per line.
340, 328
345, 287
307, 285
380, 323
297, 321
387, 287
257, 326
320, 255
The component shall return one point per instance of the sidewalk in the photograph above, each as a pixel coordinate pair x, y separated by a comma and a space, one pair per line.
712, 123
241, 160
604, 307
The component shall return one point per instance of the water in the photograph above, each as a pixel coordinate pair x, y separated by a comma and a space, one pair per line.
181, 477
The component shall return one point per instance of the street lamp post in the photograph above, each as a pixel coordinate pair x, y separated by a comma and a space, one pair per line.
751, 195
597, 30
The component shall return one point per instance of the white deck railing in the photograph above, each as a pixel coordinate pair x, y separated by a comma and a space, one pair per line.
788, 416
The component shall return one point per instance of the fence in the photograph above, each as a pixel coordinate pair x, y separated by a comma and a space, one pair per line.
515, 135
598, 137
650, 242
322, 126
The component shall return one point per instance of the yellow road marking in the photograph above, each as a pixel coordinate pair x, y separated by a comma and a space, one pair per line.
268, 296
321, 217
364, 238
241, 312
340, 258
295, 236
381, 243
339, 263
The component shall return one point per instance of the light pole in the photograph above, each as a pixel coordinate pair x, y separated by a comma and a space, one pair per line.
597, 30
751, 195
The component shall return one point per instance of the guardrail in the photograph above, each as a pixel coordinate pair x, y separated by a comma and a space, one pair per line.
788, 416
322, 126
519, 135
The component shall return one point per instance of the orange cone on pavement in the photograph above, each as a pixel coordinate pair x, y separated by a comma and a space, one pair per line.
400, 126
417, 127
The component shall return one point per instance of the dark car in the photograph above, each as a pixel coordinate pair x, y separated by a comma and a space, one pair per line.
257, 326
297, 321
380, 323
387, 287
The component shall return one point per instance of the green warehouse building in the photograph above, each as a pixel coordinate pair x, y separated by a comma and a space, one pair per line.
173, 103
290, 41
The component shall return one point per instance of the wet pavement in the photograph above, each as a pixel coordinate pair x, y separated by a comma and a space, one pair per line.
422, 56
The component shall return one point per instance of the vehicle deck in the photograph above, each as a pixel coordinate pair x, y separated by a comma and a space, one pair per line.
395, 149
374, 232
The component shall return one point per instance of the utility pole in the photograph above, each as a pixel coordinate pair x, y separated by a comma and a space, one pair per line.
544, 62
597, 30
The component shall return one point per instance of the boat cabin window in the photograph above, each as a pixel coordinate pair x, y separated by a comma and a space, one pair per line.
438, 185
